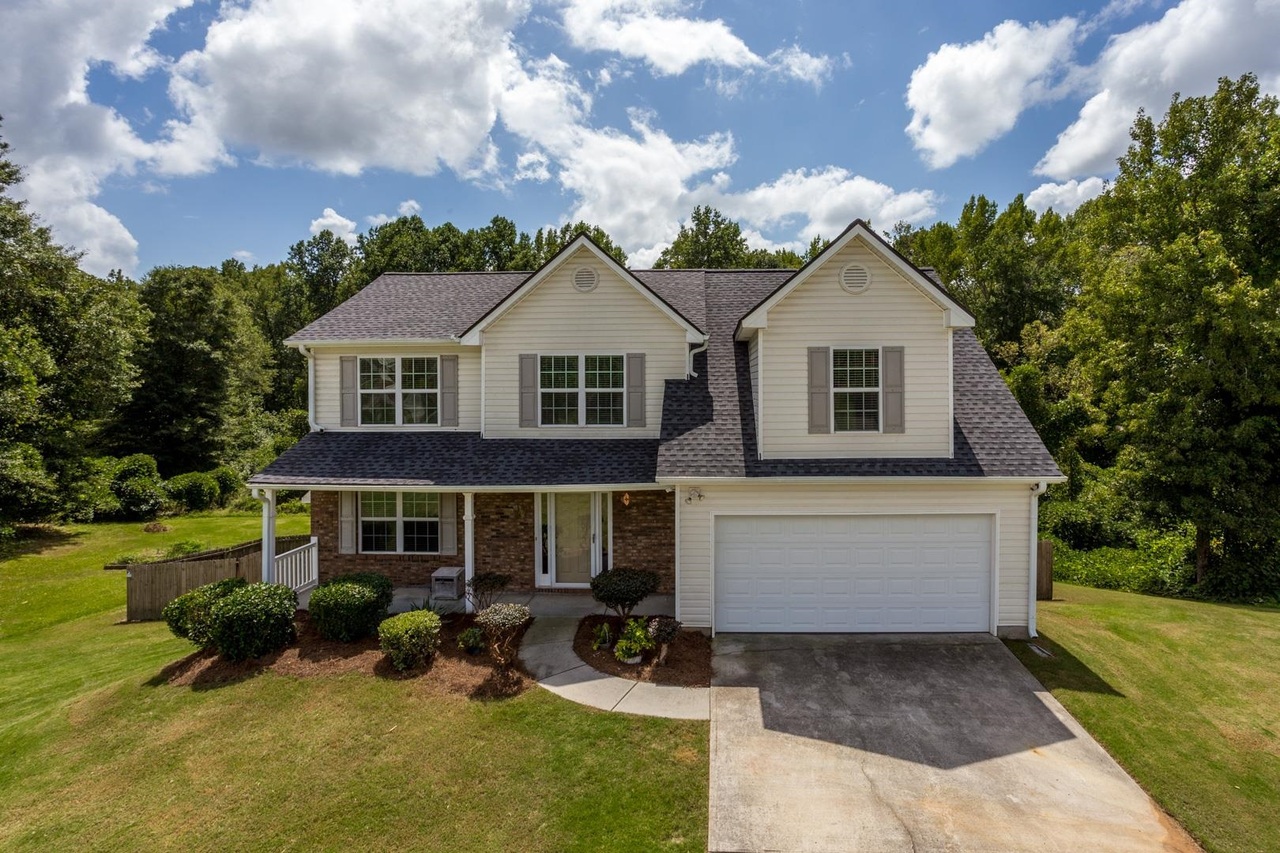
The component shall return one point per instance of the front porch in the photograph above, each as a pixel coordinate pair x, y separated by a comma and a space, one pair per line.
545, 604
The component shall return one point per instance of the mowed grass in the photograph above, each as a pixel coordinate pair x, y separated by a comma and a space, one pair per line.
1184, 694
97, 753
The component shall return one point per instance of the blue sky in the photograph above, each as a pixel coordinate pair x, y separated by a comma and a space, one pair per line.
171, 131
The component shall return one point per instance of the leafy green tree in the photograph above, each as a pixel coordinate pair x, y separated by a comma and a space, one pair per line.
1177, 329
320, 265
709, 240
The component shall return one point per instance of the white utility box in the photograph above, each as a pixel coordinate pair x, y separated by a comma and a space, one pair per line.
449, 583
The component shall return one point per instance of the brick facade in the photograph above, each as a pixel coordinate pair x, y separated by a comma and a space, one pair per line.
643, 538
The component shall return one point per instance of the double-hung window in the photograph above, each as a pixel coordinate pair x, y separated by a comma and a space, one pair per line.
400, 391
855, 386
582, 390
399, 522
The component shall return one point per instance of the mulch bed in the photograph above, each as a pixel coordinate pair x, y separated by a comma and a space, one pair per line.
450, 672
688, 660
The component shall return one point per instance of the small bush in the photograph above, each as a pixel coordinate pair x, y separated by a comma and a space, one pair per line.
253, 621
633, 641
379, 583
185, 548
229, 483
294, 508
138, 497
346, 612
137, 466
188, 615
471, 640
193, 491
620, 590
409, 639
502, 624
663, 630
603, 637
484, 587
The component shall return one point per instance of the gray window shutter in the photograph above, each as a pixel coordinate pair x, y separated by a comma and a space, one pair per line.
892, 380
819, 390
635, 389
528, 390
448, 523
350, 395
448, 390
348, 502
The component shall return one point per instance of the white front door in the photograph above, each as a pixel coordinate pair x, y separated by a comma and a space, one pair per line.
571, 530
851, 573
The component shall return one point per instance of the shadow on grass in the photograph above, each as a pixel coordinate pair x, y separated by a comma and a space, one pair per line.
1063, 671
37, 538
205, 670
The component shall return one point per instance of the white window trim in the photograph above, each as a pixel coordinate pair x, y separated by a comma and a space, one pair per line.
582, 389
879, 389
398, 391
399, 520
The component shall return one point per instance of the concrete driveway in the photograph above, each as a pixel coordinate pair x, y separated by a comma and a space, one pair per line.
908, 742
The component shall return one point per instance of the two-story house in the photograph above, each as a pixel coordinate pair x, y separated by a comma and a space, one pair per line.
828, 449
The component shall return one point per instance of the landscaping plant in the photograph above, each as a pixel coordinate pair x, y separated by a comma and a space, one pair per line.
346, 611
471, 640
188, 615
603, 638
253, 620
633, 641
484, 587
193, 491
502, 624
663, 630
409, 639
620, 590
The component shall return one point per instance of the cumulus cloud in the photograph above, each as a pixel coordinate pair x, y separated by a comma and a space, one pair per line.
1186, 50
341, 227
67, 144
663, 36
1065, 197
965, 96
408, 207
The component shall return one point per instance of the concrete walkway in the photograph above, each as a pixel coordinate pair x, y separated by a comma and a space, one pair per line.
547, 653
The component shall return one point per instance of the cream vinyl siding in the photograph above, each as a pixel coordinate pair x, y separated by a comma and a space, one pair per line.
892, 312
1010, 537
328, 383
753, 361
556, 319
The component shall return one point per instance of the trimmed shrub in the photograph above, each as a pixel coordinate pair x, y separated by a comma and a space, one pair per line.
347, 611
194, 491
663, 630
633, 641
409, 639
229, 483
620, 590
138, 465
379, 583
253, 621
188, 615
502, 625
484, 587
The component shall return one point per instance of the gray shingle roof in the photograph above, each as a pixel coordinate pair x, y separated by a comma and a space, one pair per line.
708, 423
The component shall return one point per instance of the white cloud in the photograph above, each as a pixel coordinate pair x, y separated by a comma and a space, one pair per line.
332, 221
67, 144
1065, 197
663, 36
408, 207
244, 256
965, 96
533, 166
346, 86
1186, 51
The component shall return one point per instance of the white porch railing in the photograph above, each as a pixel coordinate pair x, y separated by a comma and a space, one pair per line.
299, 568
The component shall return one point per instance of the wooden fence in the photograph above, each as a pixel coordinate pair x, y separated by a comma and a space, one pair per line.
150, 586
1044, 570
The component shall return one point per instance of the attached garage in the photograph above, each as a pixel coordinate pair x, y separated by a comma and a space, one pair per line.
853, 573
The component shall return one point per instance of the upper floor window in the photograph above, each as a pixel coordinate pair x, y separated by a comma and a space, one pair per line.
855, 385
395, 522
399, 391
582, 390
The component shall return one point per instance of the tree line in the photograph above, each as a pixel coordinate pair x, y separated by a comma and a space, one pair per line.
1139, 333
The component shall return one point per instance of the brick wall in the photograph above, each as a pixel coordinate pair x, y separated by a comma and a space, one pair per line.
643, 538
644, 535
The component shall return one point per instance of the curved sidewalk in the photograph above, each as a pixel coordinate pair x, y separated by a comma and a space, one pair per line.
547, 653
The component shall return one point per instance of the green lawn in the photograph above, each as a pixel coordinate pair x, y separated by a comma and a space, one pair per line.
94, 755
1184, 694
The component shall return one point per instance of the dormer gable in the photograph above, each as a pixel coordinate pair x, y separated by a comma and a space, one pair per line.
853, 279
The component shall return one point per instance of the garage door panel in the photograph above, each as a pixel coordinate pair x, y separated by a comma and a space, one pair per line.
853, 573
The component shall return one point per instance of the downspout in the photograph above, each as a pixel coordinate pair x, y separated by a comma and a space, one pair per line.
689, 372
1036, 491
311, 386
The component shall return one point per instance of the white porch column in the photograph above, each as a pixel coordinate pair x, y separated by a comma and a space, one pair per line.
469, 525
268, 498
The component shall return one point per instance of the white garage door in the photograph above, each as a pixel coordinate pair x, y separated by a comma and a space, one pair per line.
846, 573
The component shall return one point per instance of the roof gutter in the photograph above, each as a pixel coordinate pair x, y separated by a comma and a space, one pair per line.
845, 480
311, 386
689, 372
1036, 491
459, 487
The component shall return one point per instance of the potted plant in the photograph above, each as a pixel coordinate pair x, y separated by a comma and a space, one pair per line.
471, 640
633, 642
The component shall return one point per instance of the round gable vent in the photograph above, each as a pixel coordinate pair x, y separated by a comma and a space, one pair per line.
855, 278
585, 280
